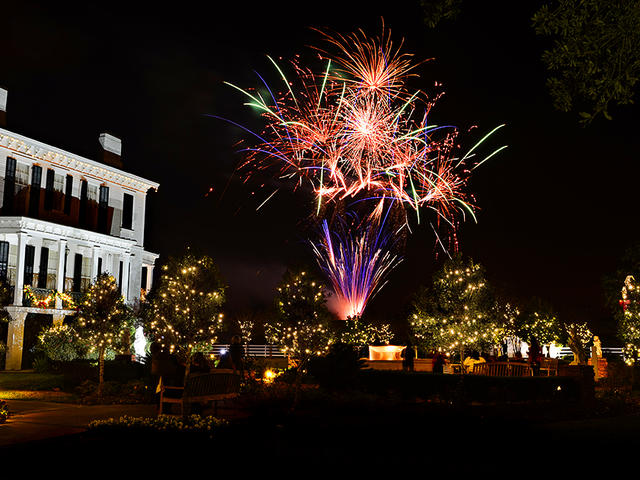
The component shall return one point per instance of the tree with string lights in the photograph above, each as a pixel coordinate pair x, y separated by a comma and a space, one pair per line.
358, 332
104, 321
183, 313
541, 323
578, 337
302, 326
456, 313
628, 318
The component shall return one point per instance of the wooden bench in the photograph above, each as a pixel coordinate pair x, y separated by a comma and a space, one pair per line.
549, 367
202, 388
502, 369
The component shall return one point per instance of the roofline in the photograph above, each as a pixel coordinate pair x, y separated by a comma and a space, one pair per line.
42, 152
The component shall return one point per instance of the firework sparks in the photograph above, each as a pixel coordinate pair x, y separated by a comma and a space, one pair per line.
356, 258
356, 132
360, 137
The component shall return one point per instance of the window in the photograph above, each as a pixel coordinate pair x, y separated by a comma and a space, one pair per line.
34, 195
99, 265
143, 283
48, 193
77, 273
9, 185
29, 255
120, 276
68, 189
4, 260
84, 199
103, 209
127, 211
44, 264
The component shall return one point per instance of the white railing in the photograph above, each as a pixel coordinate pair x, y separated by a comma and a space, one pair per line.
250, 350
566, 351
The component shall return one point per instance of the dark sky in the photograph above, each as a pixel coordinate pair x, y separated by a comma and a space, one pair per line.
557, 208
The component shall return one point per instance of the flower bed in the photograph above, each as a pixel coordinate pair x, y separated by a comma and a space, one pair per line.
192, 424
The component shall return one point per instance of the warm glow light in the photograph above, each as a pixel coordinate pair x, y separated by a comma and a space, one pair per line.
386, 352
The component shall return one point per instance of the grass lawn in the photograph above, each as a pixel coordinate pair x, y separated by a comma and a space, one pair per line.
30, 381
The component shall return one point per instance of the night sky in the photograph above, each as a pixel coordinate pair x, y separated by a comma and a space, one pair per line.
557, 207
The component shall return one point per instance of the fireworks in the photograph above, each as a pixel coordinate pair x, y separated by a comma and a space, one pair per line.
356, 258
356, 132
359, 137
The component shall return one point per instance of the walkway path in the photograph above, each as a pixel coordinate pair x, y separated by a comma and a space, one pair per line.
35, 420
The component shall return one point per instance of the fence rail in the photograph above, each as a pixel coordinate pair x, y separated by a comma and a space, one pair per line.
250, 350
566, 351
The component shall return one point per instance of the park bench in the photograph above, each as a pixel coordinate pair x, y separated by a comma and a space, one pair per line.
502, 369
549, 367
202, 388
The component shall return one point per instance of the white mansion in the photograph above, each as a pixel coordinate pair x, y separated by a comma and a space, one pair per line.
65, 219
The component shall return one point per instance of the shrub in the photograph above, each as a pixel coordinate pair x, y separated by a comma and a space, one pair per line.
60, 343
338, 369
162, 423
3, 351
4, 411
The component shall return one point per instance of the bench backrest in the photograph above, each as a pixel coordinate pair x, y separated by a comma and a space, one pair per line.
214, 383
502, 369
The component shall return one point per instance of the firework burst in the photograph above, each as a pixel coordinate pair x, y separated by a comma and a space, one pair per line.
359, 137
356, 132
356, 257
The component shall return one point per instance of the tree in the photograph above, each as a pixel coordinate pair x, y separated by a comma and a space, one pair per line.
103, 320
511, 323
628, 319
540, 322
595, 58
357, 332
435, 11
302, 326
629, 264
578, 338
455, 314
184, 311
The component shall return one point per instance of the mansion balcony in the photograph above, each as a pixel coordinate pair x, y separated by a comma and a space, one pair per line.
54, 206
48, 257
46, 298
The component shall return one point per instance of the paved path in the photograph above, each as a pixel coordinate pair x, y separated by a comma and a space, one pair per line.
35, 420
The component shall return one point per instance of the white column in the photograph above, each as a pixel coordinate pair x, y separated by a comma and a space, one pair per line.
15, 339
94, 264
126, 260
18, 290
62, 253
37, 250
149, 277
107, 264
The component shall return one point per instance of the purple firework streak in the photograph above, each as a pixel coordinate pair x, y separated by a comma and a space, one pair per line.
356, 259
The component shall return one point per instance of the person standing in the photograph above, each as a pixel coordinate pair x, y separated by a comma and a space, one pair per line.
408, 355
236, 354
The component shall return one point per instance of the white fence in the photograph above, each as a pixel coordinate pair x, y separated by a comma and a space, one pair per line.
566, 351
250, 350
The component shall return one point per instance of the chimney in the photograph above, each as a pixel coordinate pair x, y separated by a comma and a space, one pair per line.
111, 150
3, 107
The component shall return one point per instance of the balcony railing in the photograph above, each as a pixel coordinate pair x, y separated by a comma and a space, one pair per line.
46, 298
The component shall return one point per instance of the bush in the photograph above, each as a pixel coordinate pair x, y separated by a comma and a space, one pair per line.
4, 411
3, 352
465, 389
134, 391
60, 343
337, 370
161, 424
